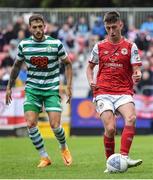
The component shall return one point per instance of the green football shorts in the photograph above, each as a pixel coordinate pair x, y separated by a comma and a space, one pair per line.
36, 99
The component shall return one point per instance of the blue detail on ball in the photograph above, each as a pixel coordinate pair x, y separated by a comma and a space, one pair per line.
115, 162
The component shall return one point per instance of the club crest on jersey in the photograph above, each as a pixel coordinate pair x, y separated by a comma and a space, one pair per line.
49, 49
106, 52
124, 51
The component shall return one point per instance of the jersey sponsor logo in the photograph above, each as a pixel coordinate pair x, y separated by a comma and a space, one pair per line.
113, 59
114, 65
39, 61
124, 51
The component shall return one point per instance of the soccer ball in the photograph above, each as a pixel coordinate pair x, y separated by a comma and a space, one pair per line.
116, 163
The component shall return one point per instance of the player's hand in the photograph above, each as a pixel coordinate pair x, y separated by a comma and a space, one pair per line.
8, 97
92, 85
136, 76
69, 94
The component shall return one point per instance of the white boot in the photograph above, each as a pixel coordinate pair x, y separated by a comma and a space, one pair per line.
132, 162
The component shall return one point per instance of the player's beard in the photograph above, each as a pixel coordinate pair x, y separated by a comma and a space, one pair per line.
39, 36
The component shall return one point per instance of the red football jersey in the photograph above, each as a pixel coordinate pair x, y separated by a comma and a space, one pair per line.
115, 63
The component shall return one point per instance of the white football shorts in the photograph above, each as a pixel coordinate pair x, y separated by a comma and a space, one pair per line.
111, 102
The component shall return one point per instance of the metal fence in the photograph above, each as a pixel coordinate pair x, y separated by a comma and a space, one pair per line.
133, 16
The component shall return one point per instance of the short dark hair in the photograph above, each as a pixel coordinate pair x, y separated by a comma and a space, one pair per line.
111, 17
36, 17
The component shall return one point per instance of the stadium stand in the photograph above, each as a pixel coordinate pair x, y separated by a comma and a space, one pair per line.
79, 30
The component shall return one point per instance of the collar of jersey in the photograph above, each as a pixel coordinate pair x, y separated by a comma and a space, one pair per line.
121, 40
39, 41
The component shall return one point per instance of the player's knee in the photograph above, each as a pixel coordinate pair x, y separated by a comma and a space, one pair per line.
54, 125
110, 131
130, 120
31, 124
31, 119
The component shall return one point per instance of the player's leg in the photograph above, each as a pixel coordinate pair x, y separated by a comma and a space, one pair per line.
109, 132
59, 133
129, 114
105, 108
32, 108
53, 108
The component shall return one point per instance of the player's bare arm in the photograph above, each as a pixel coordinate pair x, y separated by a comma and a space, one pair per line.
89, 72
136, 74
68, 73
14, 73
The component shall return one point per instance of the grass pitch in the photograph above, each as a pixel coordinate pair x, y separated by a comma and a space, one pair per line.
18, 159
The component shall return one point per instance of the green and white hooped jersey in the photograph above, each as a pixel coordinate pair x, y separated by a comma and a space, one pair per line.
42, 60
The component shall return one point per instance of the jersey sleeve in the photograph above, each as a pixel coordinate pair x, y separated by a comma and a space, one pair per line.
20, 55
94, 57
135, 57
62, 54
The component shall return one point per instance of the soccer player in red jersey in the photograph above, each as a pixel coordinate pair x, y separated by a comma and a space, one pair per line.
119, 68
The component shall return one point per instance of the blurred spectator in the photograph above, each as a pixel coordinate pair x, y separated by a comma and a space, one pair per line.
82, 35
7, 61
13, 49
125, 28
142, 41
24, 27
150, 55
132, 33
81, 44
5, 69
147, 26
52, 30
82, 28
20, 35
70, 22
92, 41
9, 34
18, 25
66, 36
99, 29
150, 49
151, 62
1, 40
146, 82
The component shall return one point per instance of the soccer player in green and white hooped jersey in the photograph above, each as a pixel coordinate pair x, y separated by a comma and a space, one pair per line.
41, 54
